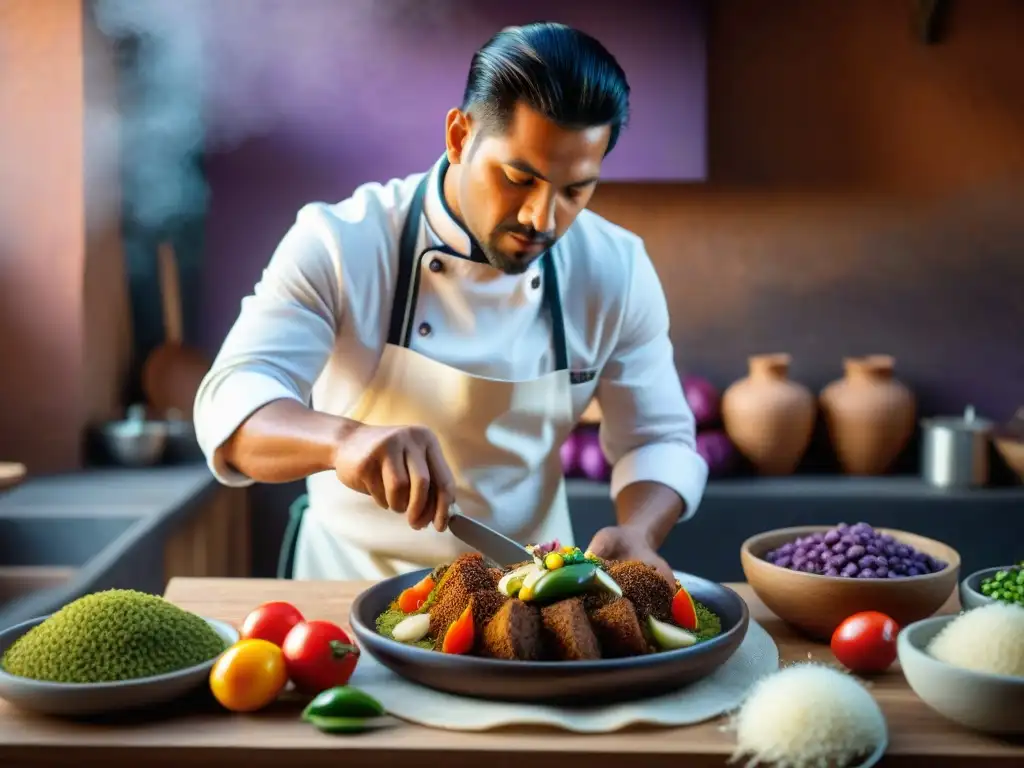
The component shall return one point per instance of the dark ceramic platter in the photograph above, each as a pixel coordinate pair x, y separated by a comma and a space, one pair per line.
551, 682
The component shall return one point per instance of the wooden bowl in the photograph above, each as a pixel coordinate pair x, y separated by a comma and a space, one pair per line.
815, 605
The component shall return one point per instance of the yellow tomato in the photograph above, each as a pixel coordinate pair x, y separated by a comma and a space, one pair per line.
554, 561
249, 675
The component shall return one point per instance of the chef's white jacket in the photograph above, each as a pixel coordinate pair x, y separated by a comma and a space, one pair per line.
317, 322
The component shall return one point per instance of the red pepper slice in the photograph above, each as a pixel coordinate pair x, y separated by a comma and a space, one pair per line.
459, 637
413, 598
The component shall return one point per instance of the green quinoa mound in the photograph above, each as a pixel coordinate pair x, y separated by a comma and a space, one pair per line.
115, 635
710, 624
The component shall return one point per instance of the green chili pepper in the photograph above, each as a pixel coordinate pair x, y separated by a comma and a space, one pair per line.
564, 582
343, 701
338, 724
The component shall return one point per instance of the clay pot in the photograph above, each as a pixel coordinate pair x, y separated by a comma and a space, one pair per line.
768, 417
870, 415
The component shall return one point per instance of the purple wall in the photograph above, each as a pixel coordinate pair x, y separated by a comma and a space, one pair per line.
309, 99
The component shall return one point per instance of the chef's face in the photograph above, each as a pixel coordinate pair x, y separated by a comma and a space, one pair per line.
518, 191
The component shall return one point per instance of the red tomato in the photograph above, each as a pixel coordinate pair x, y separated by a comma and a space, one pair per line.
319, 656
866, 642
271, 622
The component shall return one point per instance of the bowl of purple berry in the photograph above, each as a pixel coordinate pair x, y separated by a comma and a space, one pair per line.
814, 577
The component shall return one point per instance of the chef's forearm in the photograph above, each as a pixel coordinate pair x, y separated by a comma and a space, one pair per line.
652, 507
285, 441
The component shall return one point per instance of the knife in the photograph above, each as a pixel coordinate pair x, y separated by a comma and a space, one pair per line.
485, 540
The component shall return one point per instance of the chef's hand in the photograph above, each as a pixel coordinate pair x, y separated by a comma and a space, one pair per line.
618, 542
402, 468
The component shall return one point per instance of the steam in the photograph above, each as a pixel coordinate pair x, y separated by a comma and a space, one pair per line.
199, 76
155, 125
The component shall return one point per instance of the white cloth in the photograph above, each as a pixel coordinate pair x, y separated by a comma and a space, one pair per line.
315, 329
721, 692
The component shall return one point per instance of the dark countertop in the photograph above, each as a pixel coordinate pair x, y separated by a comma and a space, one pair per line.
985, 525
830, 486
108, 491
152, 501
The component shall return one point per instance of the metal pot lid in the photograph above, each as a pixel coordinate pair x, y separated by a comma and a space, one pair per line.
969, 423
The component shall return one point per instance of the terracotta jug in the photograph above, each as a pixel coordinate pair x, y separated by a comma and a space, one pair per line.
870, 415
769, 417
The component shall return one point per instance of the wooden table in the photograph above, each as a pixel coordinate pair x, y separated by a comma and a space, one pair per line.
197, 733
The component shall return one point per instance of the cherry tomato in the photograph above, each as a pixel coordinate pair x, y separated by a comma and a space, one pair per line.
319, 656
249, 675
271, 622
866, 642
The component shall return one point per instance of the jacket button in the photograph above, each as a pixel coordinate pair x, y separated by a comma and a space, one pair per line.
424, 329
535, 283
436, 265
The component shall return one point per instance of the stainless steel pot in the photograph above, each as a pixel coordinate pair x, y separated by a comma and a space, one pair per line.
954, 451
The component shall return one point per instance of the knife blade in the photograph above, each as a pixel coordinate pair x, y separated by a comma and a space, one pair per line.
485, 540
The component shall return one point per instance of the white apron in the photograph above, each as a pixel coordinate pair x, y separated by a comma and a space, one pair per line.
500, 438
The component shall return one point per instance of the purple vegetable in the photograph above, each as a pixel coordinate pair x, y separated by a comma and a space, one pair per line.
703, 398
570, 453
717, 450
853, 551
591, 459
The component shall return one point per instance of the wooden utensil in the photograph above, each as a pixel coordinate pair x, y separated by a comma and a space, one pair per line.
173, 371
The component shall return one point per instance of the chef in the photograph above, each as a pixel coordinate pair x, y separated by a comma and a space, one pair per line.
435, 339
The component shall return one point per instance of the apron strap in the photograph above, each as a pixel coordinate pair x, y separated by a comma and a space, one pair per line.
402, 306
290, 540
404, 303
553, 301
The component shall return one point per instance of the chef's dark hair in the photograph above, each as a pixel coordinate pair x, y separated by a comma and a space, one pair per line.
560, 72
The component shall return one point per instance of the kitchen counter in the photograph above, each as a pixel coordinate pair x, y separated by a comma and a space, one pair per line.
63, 536
197, 733
738, 507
